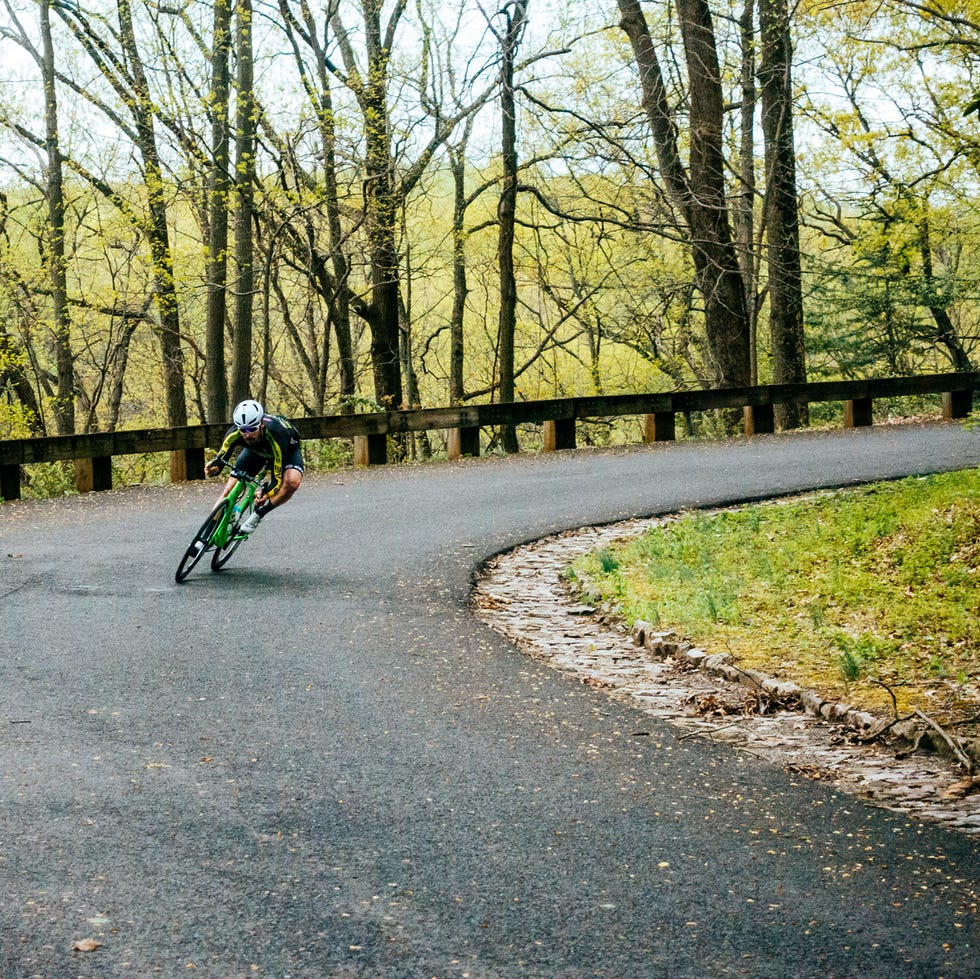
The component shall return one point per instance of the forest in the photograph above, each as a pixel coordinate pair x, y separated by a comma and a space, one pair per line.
351, 206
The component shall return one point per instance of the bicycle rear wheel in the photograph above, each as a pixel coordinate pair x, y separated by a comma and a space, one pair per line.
201, 542
223, 554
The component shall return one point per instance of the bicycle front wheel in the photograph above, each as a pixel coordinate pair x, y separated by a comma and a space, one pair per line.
201, 542
222, 555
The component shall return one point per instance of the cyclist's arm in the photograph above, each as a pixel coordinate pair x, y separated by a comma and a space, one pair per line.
221, 459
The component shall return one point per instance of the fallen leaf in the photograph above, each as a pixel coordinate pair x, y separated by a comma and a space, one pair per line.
86, 945
591, 681
963, 788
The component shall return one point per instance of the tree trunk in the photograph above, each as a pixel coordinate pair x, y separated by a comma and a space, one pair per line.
341, 305
334, 290
946, 333
781, 207
245, 127
419, 443
64, 407
219, 190
13, 373
119, 361
457, 163
744, 203
516, 14
726, 314
700, 197
168, 325
381, 204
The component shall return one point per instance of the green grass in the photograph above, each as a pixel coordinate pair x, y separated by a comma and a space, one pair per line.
835, 590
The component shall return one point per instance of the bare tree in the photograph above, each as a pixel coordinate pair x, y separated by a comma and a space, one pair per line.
117, 56
53, 238
245, 135
381, 197
65, 404
781, 207
302, 32
219, 191
385, 186
743, 209
515, 18
461, 202
700, 194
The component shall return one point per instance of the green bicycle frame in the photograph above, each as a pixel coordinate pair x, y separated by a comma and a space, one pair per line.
240, 498
220, 531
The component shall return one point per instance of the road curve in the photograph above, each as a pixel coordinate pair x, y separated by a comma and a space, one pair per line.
318, 764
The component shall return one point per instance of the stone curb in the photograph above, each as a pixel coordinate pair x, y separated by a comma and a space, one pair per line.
666, 645
524, 595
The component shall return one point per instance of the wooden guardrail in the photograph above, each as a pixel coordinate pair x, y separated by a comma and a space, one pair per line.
187, 446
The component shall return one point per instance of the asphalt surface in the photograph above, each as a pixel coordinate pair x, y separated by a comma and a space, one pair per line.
318, 764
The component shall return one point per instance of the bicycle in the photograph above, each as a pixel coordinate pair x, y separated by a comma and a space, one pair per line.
220, 531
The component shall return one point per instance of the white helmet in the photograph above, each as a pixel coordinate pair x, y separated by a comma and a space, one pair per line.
248, 415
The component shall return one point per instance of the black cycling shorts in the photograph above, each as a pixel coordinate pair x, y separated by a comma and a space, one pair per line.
252, 462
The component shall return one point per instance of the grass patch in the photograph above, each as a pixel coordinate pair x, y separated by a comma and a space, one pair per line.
833, 590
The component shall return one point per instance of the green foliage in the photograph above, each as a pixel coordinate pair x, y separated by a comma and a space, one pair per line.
607, 303
321, 455
858, 654
875, 583
46, 479
607, 561
360, 405
15, 420
147, 468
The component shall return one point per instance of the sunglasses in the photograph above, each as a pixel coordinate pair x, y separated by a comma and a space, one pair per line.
249, 430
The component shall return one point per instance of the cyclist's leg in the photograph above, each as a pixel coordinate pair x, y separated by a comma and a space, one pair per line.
292, 476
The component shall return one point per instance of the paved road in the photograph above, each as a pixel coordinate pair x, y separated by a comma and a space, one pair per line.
318, 764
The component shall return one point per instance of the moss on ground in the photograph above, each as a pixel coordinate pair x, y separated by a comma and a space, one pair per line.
842, 591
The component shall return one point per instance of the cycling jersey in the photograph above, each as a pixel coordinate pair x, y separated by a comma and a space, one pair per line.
279, 449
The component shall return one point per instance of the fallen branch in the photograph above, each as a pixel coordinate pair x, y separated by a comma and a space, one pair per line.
706, 729
891, 693
964, 759
886, 725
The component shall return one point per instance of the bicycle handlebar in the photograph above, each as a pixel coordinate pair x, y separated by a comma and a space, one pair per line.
239, 474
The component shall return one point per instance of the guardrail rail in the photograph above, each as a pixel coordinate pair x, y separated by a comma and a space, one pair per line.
187, 445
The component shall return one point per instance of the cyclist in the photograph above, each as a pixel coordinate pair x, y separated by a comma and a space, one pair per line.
268, 440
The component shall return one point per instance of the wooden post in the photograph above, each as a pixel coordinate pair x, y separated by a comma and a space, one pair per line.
463, 442
857, 413
659, 427
370, 450
186, 464
559, 434
10, 482
93, 474
957, 404
759, 419
195, 462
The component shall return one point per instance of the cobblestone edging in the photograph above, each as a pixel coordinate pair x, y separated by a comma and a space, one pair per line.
521, 595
